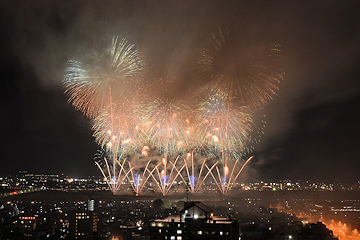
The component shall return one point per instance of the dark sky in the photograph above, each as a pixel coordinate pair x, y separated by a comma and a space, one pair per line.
312, 124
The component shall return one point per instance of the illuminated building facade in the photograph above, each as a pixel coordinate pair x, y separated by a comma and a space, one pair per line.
28, 223
91, 205
196, 221
82, 223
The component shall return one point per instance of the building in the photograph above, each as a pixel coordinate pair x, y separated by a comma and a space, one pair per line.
82, 223
28, 223
91, 205
196, 221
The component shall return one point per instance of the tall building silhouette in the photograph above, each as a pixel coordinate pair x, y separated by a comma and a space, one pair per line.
196, 221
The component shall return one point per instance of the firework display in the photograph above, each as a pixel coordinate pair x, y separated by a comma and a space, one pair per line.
153, 140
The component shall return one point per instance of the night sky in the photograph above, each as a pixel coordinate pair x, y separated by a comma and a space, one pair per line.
312, 129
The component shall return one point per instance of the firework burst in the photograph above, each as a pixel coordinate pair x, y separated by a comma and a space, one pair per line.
225, 179
251, 73
117, 129
113, 171
101, 75
166, 119
223, 128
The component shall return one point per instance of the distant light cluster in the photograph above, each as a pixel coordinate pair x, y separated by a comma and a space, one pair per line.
28, 182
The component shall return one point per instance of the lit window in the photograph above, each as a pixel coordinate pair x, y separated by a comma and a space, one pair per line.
221, 233
178, 231
199, 232
172, 238
179, 238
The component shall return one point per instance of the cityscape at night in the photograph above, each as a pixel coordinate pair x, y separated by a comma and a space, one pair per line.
45, 206
180, 120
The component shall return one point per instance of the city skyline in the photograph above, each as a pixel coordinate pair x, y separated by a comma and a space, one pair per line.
312, 124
